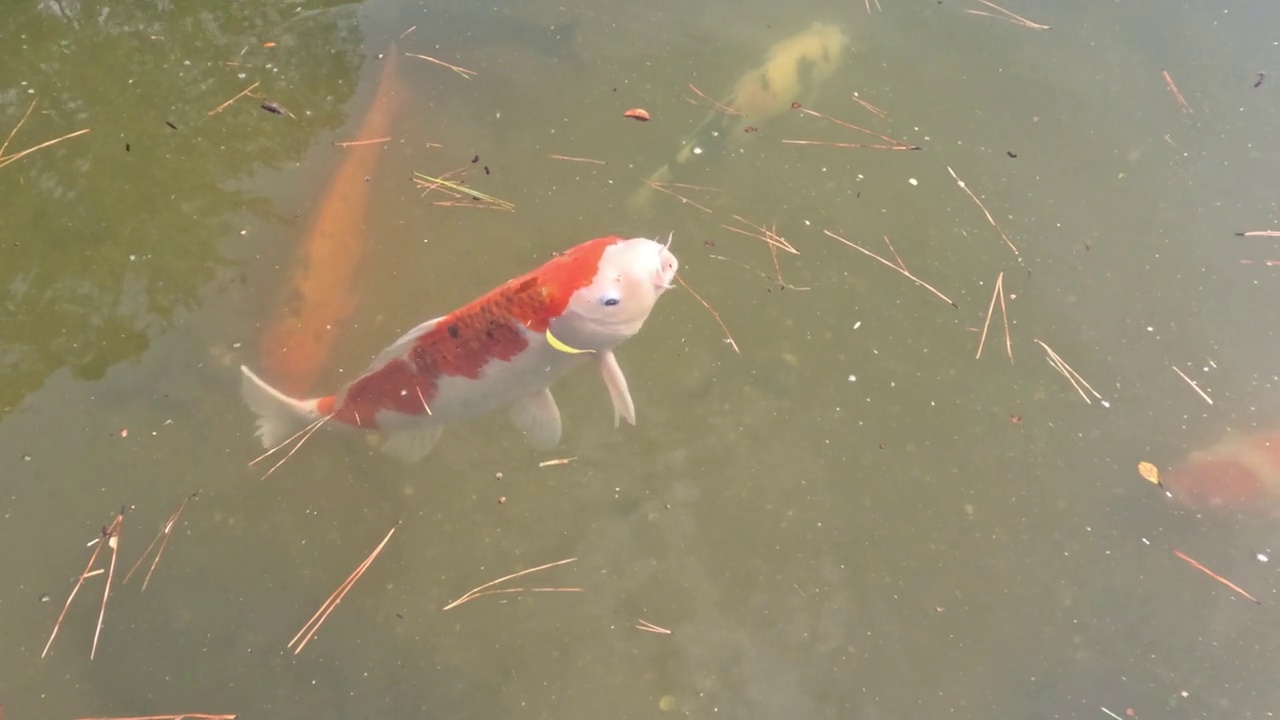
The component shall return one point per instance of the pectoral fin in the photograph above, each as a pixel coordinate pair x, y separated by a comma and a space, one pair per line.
539, 419
413, 444
618, 392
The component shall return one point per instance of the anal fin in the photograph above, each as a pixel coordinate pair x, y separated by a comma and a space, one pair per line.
413, 444
539, 419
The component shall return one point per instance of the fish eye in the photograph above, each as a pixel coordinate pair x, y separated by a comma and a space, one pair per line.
610, 300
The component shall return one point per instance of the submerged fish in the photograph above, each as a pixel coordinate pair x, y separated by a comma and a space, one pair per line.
1235, 474
298, 339
792, 71
505, 348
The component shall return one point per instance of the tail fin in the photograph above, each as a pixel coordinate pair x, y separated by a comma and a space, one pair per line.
279, 416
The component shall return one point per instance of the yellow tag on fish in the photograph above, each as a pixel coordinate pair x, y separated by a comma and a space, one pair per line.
555, 343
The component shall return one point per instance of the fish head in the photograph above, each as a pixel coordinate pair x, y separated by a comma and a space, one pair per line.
631, 274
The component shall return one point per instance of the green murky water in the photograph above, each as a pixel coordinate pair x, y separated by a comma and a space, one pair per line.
842, 521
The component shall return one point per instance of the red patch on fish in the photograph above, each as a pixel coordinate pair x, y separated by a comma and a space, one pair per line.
463, 342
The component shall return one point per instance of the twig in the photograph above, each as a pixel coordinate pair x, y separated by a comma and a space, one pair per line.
864, 146
1004, 313
314, 623
479, 591
1015, 19
1259, 233
460, 70
405, 34
554, 156
902, 270
741, 264
464, 190
773, 240
663, 187
243, 92
112, 536
984, 210
1193, 385
179, 716
1070, 374
1182, 103
557, 461
1216, 576
719, 106
893, 144
875, 110
354, 143
19, 155
650, 627
164, 533
79, 581
714, 314
18, 127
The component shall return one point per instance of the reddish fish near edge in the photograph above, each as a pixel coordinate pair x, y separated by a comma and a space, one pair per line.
1237, 473
297, 342
503, 349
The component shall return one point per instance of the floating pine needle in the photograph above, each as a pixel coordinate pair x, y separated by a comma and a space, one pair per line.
305, 432
481, 590
875, 110
877, 2
666, 187
893, 144
461, 71
761, 274
314, 623
501, 204
1251, 233
1004, 314
557, 461
984, 210
1193, 385
1068, 373
900, 269
179, 716
226, 104
1268, 263
354, 143
112, 535
1150, 473
571, 158
79, 581
728, 338
718, 106
650, 627
1182, 103
165, 533
770, 237
5, 160
1008, 16
405, 34
1216, 576
777, 268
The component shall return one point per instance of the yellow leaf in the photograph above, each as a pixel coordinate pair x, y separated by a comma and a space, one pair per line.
1149, 472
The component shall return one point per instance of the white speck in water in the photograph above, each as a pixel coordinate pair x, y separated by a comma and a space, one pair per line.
1104, 403
853, 378
1262, 557
1146, 541
697, 151
857, 325
913, 181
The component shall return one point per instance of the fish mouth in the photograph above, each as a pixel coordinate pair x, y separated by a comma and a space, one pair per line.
668, 265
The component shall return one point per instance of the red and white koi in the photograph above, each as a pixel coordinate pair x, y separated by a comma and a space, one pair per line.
505, 348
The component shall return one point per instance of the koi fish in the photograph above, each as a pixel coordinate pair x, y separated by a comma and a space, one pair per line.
297, 341
1235, 474
793, 70
505, 348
